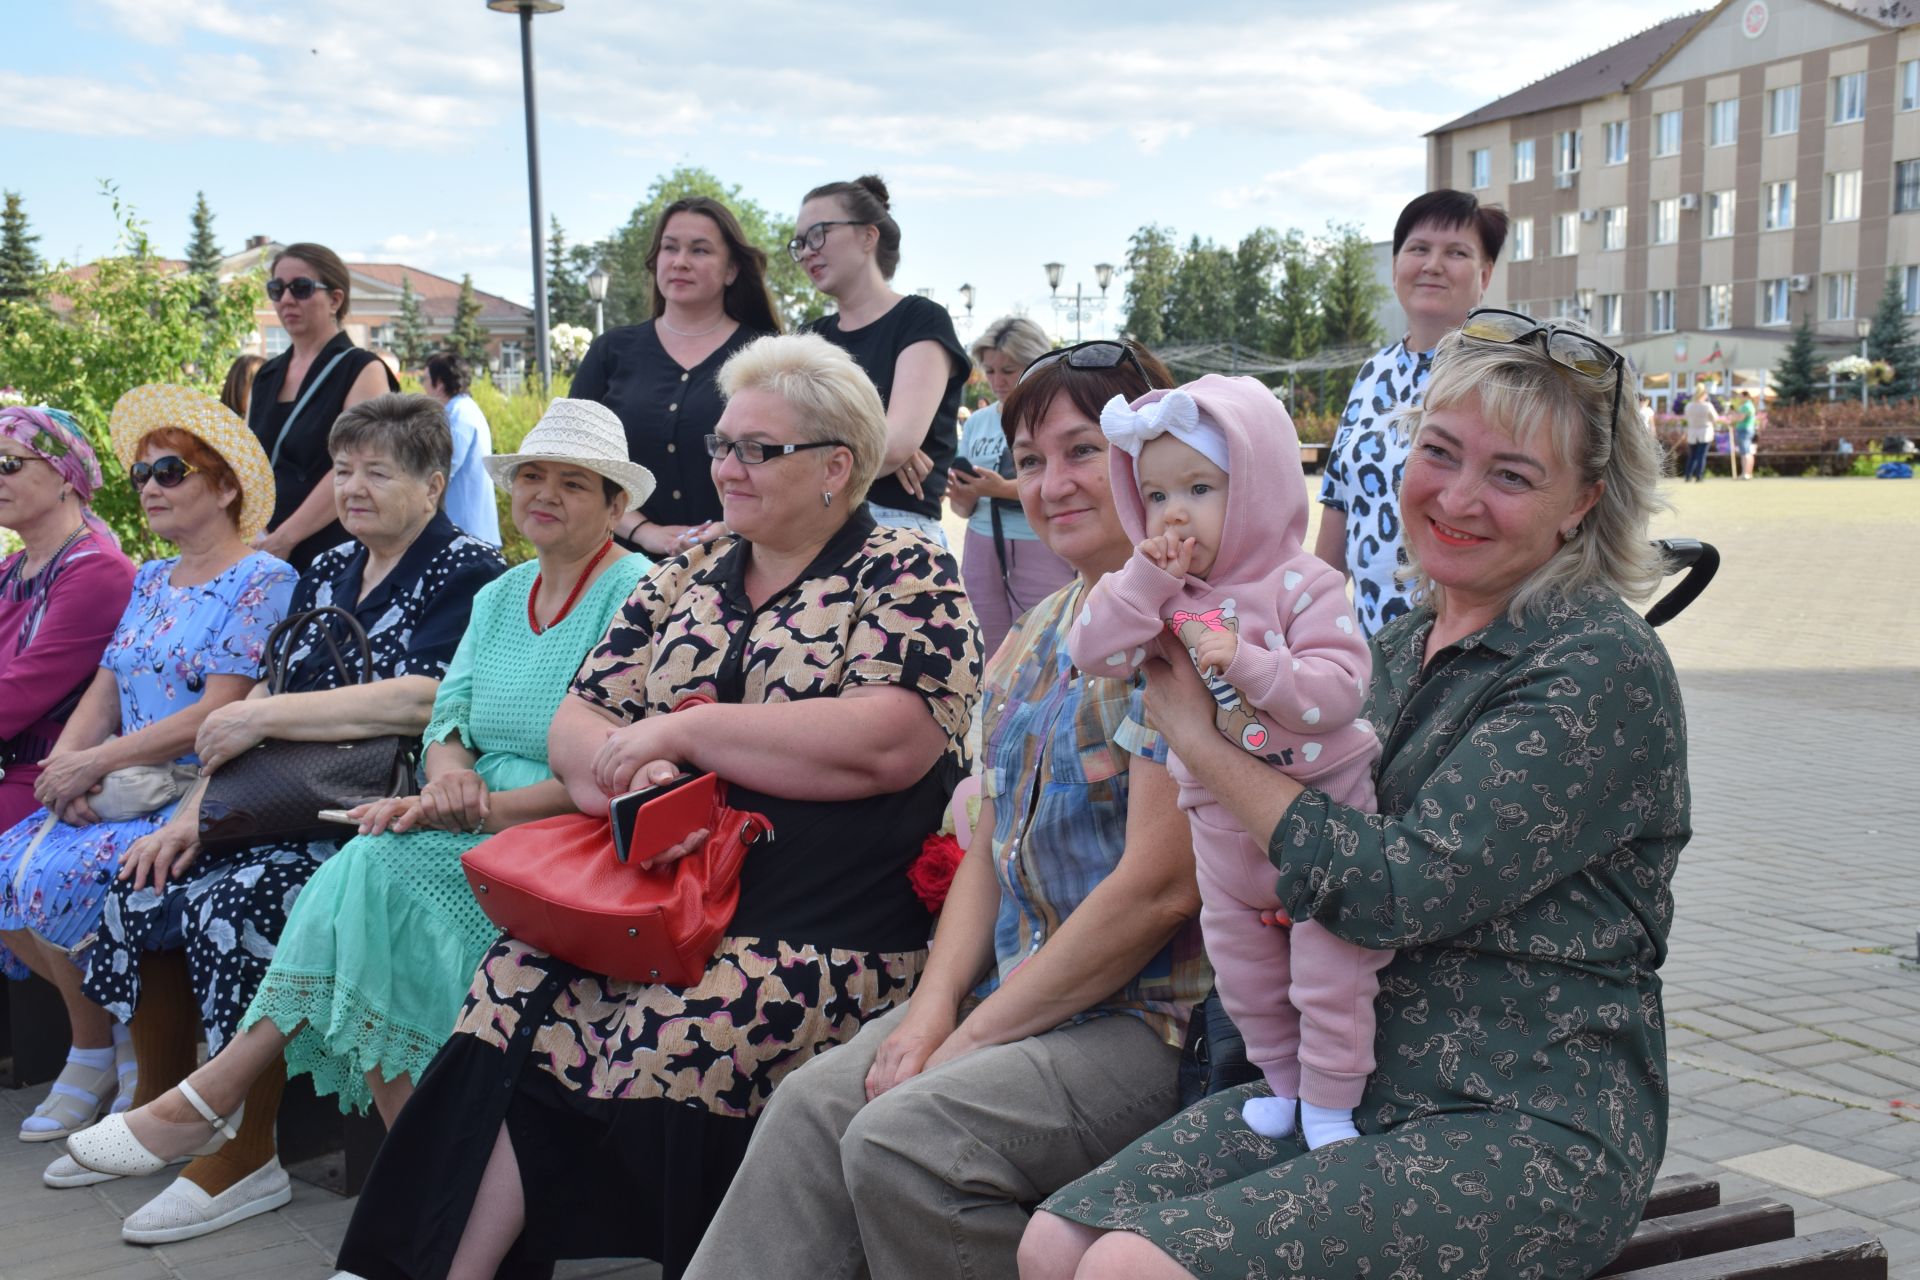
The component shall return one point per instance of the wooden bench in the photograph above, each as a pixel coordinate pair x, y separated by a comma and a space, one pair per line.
1686, 1233
1313, 456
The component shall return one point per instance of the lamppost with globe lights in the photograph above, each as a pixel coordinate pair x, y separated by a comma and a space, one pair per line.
1080, 309
597, 290
966, 298
527, 9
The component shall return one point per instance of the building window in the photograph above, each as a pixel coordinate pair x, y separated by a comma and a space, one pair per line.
1481, 162
1523, 160
1566, 151
1617, 142
381, 335
1906, 186
1850, 98
1613, 227
1773, 301
1779, 211
1716, 302
1783, 110
1838, 289
1910, 290
1612, 314
1843, 196
1666, 134
274, 340
1910, 85
1566, 234
510, 356
1666, 221
1719, 214
1522, 235
1723, 123
1660, 311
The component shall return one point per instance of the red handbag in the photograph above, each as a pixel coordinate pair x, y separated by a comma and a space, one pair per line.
558, 884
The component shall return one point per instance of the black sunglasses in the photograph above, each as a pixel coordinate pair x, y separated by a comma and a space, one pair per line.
10, 463
301, 287
1569, 348
1102, 353
816, 235
753, 452
169, 471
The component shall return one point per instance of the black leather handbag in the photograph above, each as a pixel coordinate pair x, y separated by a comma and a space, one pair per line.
275, 792
1214, 1056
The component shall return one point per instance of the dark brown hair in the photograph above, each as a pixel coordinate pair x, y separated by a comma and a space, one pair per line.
1089, 389
1450, 209
746, 299
326, 266
866, 201
238, 388
450, 370
202, 457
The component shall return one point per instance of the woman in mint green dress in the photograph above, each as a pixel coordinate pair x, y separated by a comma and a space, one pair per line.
382, 943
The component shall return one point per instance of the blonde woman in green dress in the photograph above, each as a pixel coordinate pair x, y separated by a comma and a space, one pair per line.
382, 943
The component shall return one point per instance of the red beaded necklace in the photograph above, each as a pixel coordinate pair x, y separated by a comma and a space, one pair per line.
573, 596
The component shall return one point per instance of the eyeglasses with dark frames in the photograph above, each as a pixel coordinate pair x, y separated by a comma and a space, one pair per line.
755, 452
301, 287
1102, 353
1569, 348
170, 471
816, 235
11, 463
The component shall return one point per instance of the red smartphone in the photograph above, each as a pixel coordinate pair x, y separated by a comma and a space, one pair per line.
647, 822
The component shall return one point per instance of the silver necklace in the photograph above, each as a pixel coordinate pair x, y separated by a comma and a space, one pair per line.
693, 333
20, 569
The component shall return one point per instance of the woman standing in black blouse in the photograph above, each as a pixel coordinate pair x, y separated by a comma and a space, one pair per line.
849, 245
709, 300
299, 393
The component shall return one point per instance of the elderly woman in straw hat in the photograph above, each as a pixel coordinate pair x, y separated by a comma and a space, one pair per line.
843, 660
382, 942
189, 641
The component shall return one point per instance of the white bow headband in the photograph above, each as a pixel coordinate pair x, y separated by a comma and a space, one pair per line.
1129, 429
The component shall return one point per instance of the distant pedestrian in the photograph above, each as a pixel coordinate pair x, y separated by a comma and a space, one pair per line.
469, 502
1746, 426
1701, 422
237, 392
1649, 416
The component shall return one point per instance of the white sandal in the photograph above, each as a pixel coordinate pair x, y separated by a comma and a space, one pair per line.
127, 1067
66, 1172
110, 1147
78, 1095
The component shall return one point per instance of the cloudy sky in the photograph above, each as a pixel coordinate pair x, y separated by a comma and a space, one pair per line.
1012, 134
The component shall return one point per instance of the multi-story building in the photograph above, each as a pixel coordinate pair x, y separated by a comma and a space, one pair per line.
1698, 189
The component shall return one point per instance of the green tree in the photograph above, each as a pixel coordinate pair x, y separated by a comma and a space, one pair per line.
1296, 333
410, 340
1891, 339
20, 266
1256, 299
630, 292
203, 256
82, 341
1348, 291
1794, 379
567, 301
468, 339
1201, 307
1152, 261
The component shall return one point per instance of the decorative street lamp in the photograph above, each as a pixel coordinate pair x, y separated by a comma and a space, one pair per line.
1584, 299
527, 9
966, 297
597, 283
1864, 328
1080, 310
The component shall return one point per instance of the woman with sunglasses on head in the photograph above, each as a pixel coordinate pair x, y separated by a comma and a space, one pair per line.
1045, 1032
188, 642
1533, 802
609, 1115
849, 244
709, 300
299, 393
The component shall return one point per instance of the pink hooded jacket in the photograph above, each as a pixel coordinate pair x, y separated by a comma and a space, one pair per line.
1293, 692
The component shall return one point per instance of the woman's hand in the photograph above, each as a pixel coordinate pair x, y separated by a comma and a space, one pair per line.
630, 748
67, 776
1178, 704
277, 543
160, 856
928, 1027
455, 801
914, 471
228, 732
395, 813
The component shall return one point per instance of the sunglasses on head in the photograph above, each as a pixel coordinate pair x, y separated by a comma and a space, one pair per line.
169, 471
1102, 353
1569, 348
10, 463
301, 287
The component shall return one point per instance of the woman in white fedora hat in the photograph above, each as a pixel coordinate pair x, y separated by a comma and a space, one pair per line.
383, 940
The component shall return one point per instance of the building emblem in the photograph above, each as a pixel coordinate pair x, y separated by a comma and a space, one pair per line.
1753, 19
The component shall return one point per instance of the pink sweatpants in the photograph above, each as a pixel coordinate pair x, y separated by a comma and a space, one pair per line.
1302, 997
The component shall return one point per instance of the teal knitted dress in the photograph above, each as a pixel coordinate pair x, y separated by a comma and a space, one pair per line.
381, 945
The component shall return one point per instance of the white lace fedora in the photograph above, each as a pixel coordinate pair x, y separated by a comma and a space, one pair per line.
580, 433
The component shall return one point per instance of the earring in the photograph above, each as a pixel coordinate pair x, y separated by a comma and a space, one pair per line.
826, 499
1568, 535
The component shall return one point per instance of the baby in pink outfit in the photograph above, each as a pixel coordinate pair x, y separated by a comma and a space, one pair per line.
1207, 480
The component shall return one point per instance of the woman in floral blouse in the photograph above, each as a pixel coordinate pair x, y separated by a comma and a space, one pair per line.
1533, 803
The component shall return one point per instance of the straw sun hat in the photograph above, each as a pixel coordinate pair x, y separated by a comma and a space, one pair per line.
159, 405
579, 433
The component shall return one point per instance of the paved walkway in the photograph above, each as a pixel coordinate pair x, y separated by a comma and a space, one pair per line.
1795, 1023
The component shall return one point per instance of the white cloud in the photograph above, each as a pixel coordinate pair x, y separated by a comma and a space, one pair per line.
1367, 186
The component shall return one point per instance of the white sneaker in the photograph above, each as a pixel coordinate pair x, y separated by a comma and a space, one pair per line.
184, 1211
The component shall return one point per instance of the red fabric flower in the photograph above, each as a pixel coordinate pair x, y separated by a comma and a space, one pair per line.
931, 874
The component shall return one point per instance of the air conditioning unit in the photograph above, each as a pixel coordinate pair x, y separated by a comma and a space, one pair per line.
1798, 284
1689, 202
1588, 215
1563, 181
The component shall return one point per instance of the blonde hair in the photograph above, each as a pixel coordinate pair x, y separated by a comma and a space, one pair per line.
1527, 395
1015, 337
830, 394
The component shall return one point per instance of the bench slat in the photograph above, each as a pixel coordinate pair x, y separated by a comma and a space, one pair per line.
1681, 1193
1844, 1253
1704, 1231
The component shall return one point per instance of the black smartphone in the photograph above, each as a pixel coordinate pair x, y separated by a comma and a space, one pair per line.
963, 464
667, 822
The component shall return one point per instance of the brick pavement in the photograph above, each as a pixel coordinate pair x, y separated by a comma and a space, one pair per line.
1795, 1024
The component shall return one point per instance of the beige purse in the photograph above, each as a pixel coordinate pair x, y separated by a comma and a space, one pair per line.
141, 789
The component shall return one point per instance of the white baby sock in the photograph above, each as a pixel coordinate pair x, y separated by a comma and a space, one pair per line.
1269, 1117
1321, 1125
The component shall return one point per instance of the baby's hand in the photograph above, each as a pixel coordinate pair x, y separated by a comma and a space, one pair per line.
1213, 651
1169, 552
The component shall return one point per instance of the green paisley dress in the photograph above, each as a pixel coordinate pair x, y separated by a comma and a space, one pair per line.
1533, 803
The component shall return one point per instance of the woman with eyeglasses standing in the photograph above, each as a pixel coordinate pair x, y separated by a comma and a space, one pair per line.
299, 393
709, 300
849, 244
189, 641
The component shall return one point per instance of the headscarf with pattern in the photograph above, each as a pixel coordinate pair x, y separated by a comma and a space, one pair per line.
54, 435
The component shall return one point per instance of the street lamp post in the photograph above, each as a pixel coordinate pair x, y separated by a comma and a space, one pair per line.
966, 297
1080, 310
1584, 299
597, 290
527, 9
1864, 328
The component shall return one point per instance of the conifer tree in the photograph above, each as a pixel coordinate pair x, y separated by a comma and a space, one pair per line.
1794, 380
468, 338
19, 265
1891, 339
410, 340
203, 256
